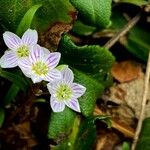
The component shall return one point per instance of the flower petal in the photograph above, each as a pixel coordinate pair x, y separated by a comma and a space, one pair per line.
46, 51
11, 40
53, 75
73, 104
36, 53
36, 79
25, 66
67, 75
9, 59
30, 37
78, 90
53, 59
56, 106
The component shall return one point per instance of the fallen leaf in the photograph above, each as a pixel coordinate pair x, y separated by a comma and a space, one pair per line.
107, 140
126, 71
131, 97
50, 39
123, 128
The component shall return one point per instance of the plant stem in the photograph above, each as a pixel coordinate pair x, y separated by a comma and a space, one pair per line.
144, 99
123, 31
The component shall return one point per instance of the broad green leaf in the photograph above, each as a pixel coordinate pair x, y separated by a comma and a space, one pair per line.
82, 135
53, 11
143, 143
92, 59
60, 124
87, 133
11, 94
82, 29
2, 116
12, 12
27, 20
93, 90
95, 13
16, 78
68, 143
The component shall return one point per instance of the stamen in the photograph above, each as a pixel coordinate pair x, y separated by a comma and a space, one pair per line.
23, 51
40, 68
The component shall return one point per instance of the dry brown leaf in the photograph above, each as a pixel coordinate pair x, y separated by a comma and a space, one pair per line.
124, 128
132, 96
126, 71
50, 39
107, 141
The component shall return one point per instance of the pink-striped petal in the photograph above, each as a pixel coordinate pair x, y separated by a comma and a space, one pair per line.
78, 90
56, 105
36, 79
11, 40
53, 59
35, 53
67, 75
53, 75
73, 104
25, 65
30, 37
9, 59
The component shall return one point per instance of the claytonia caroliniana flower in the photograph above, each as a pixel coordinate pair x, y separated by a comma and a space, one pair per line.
65, 92
18, 47
40, 65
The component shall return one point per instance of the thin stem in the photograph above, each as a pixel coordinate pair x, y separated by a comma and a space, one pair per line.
124, 30
144, 99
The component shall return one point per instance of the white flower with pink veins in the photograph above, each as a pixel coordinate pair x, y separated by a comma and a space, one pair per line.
40, 65
18, 47
65, 92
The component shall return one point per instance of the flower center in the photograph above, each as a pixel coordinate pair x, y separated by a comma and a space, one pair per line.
23, 51
64, 92
40, 68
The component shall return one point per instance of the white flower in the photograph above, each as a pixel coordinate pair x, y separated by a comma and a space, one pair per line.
65, 92
18, 47
40, 65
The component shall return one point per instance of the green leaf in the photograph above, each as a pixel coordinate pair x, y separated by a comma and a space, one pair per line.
68, 143
93, 59
16, 78
95, 13
27, 20
60, 124
11, 94
93, 91
12, 12
2, 116
82, 29
87, 133
143, 143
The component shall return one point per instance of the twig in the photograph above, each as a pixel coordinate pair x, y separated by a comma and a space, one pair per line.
123, 31
144, 99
